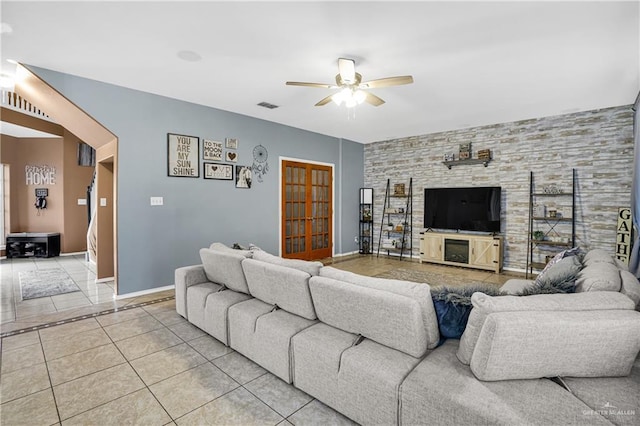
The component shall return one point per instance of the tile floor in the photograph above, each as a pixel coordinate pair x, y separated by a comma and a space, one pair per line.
144, 364
13, 308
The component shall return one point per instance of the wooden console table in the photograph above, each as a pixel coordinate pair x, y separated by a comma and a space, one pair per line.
36, 244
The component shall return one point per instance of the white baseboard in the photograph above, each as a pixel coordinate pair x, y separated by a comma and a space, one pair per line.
144, 292
104, 280
346, 254
72, 254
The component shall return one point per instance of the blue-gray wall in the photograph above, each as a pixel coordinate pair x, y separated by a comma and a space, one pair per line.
153, 241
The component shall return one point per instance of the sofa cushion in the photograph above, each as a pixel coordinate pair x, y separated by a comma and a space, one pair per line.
516, 286
387, 318
598, 276
360, 380
311, 268
225, 267
597, 256
225, 248
420, 292
484, 305
264, 335
630, 286
537, 344
279, 285
442, 391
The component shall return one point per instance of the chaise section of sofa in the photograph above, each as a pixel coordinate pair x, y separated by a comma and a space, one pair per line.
592, 334
443, 391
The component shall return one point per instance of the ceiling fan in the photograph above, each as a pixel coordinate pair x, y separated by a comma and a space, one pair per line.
352, 88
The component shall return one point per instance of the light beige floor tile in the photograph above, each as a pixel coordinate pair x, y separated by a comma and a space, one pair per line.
38, 301
169, 317
67, 304
7, 316
90, 391
317, 414
186, 331
22, 357
241, 369
20, 340
67, 296
68, 329
74, 343
83, 363
138, 408
121, 316
23, 382
191, 389
280, 396
126, 329
166, 363
35, 409
24, 312
104, 298
145, 344
238, 407
209, 347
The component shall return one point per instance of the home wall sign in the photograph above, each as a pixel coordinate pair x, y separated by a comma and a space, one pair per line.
40, 175
623, 236
183, 156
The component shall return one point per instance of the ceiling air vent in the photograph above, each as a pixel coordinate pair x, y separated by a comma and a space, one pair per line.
267, 105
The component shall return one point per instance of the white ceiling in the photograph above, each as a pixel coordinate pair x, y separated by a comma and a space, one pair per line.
474, 63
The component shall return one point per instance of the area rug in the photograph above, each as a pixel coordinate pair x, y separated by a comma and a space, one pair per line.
431, 278
45, 282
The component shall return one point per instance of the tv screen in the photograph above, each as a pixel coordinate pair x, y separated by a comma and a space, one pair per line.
463, 209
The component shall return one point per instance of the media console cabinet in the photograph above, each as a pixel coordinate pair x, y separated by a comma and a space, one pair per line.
36, 244
477, 251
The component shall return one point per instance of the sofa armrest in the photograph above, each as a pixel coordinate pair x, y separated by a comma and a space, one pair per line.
185, 277
537, 344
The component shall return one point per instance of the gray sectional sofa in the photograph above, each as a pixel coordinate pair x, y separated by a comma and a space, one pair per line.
369, 347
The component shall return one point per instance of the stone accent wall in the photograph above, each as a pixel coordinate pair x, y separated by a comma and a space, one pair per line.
598, 144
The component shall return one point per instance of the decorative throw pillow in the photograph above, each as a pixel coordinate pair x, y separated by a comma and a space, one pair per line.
453, 306
557, 258
560, 278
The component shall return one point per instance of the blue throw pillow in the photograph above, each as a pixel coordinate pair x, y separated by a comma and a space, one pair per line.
453, 306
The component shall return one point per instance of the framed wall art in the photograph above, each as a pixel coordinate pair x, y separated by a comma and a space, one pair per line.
218, 171
243, 176
183, 156
231, 143
231, 157
211, 150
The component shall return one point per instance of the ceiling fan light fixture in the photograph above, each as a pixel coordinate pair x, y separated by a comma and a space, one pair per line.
359, 96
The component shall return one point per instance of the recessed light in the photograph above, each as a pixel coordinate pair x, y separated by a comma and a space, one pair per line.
189, 56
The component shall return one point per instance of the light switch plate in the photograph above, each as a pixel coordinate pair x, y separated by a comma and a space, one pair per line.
157, 201
82, 201
103, 202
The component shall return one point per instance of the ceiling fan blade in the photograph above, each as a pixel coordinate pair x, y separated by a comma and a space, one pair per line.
347, 69
373, 99
319, 85
385, 82
325, 101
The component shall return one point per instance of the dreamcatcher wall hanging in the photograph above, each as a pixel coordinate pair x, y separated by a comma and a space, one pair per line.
260, 167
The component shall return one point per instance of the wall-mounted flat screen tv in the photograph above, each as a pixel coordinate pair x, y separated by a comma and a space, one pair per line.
463, 209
